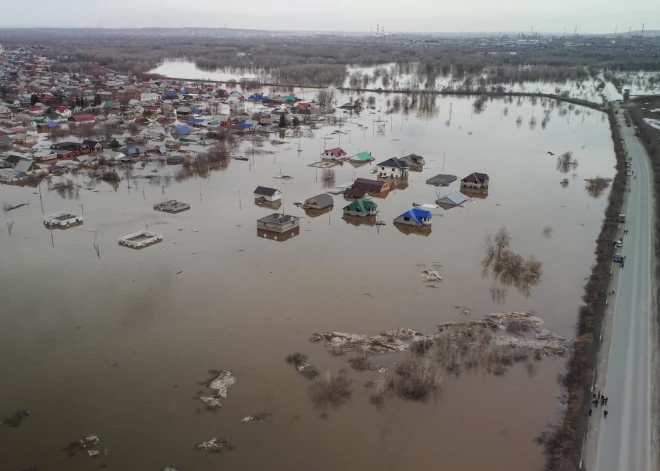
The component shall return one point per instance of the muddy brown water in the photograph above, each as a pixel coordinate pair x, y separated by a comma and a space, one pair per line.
116, 346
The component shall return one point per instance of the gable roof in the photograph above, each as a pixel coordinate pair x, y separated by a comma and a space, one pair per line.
394, 162
454, 199
323, 200
368, 185
265, 191
25, 165
363, 156
476, 177
336, 151
361, 205
416, 214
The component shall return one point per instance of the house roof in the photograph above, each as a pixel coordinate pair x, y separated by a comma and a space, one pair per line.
363, 156
83, 117
24, 165
453, 199
361, 205
368, 185
265, 191
89, 143
394, 162
416, 214
355, 193
336, 151
5, 140
476, 177
323, 200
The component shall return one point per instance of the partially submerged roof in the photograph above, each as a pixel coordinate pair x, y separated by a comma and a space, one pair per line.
453, 199
441, 179
368, 185
363, 156
265, 191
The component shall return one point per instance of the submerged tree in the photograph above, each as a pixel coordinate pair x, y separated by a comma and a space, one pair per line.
566, 162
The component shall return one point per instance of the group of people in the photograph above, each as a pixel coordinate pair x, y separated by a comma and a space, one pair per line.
600, 398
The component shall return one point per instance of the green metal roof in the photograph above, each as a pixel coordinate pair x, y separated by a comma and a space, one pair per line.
364, 156
362, 205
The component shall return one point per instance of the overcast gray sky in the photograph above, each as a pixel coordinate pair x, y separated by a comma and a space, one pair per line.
590, 16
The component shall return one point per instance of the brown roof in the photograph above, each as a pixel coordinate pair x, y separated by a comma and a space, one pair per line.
476, 177
354, 193
368, 185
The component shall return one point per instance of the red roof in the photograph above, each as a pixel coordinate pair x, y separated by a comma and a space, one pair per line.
83, 117
61, 109
303, 106
337, 152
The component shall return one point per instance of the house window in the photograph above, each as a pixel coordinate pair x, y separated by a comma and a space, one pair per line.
382, 168
406, 218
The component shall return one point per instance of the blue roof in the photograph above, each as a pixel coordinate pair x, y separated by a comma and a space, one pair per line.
256, 96
416, 213
50, 124
183, 129
195, 120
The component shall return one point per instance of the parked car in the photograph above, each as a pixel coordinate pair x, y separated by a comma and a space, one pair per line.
619, 243
629, 172
617, 257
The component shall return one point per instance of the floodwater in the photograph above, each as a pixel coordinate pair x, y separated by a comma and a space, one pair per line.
399, 80
115, 345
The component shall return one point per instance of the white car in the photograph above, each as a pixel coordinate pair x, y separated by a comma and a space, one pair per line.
629, 172
619, 243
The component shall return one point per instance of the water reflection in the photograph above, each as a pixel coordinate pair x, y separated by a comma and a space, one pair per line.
360, 221
413, 230
596, 186
566, 162
314, 213
276, 236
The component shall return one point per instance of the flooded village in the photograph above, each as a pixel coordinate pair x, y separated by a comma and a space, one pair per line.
200, 275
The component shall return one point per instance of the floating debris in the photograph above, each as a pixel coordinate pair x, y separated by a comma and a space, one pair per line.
84, 446
17, 419
260, 417
431, 275
215, 445
220, 381
299, 360
464, 311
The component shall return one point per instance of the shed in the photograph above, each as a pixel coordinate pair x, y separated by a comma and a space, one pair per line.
26, 166
452, 199
321, 201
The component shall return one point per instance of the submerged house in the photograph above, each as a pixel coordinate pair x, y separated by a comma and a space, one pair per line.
321, 201
361, 157
415, 217
393, 168
336, 153
361, 207
415, 162
452, 199
475, 180
267, 194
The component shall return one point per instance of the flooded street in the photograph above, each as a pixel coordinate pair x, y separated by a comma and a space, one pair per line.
116, 344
